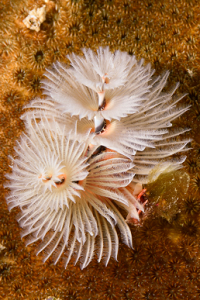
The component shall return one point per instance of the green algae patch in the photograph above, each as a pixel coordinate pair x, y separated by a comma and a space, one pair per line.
166, 192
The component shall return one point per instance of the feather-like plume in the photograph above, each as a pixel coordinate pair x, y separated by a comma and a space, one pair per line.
81, 91
105, 70
57, 185
47, 168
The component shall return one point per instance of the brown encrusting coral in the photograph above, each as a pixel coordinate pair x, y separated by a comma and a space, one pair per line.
164, 263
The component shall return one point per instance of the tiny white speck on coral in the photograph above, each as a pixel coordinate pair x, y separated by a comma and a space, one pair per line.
35, 18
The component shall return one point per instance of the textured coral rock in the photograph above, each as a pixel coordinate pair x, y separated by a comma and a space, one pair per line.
164, 263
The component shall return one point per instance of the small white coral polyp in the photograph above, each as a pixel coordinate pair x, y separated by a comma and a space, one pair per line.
99, 133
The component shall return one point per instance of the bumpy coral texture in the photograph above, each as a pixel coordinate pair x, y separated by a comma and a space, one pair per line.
164, 261
89, 146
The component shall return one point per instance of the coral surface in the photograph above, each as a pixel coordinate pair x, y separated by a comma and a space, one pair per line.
164, 263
